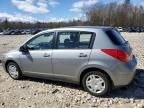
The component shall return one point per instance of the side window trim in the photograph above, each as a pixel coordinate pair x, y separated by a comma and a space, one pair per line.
92, 40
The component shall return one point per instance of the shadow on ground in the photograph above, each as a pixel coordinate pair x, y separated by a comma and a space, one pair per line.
135, 90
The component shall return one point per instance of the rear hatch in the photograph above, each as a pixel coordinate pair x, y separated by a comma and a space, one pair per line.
123, 45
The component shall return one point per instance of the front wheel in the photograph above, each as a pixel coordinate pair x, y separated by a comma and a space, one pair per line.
96, 83
14, 71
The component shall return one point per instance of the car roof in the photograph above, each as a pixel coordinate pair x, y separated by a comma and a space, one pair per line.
91, 27
80, 28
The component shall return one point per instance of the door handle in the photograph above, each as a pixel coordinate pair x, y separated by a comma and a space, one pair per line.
46, 55
82, 55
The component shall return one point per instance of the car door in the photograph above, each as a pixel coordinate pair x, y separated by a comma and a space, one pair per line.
72, 53
38, 58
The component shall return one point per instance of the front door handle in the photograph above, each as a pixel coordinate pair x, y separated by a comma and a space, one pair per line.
82, 55
46, 55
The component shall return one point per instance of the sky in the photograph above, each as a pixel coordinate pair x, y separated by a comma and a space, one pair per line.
49, 10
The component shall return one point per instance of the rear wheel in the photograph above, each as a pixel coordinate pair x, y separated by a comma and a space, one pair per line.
14, 71
96, 83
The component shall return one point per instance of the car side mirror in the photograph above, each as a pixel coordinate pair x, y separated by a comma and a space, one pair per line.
24, 48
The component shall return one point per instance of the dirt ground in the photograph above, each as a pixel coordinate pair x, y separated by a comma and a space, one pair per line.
38, 93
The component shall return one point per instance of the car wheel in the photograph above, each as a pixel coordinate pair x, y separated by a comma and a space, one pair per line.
14, 71
96, 83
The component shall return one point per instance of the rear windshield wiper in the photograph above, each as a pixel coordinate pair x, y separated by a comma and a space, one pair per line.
126, 42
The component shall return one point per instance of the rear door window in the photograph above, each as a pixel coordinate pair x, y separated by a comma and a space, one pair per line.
68, 40
74, 40
115, 37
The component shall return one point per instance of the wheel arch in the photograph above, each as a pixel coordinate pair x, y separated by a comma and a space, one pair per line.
95, 69
8, 61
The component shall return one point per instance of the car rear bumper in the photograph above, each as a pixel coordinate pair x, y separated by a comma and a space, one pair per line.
124, 79
125, 73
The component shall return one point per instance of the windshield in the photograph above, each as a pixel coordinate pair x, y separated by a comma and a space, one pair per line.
115, 37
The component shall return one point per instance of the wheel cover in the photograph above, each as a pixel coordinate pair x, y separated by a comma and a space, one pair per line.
13, 71
95, 83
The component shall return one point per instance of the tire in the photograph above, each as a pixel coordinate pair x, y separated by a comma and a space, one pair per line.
98, 79
14, 71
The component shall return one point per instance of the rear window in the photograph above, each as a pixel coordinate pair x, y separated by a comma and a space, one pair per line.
115, 37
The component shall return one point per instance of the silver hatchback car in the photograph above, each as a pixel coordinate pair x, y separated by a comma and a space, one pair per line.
98, 58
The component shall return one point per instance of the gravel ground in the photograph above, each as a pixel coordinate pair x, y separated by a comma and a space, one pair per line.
38, 93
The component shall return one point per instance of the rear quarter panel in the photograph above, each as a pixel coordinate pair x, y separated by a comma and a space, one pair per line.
99, 59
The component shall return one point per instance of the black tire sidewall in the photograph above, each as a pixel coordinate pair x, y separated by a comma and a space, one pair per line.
19, 71
104, 77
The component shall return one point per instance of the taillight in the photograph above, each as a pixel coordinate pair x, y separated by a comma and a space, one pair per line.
118, 54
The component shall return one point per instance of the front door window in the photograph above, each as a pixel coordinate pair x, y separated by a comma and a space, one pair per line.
41, 42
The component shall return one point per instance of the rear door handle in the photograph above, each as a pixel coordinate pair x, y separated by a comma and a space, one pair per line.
82, 55
46, 55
